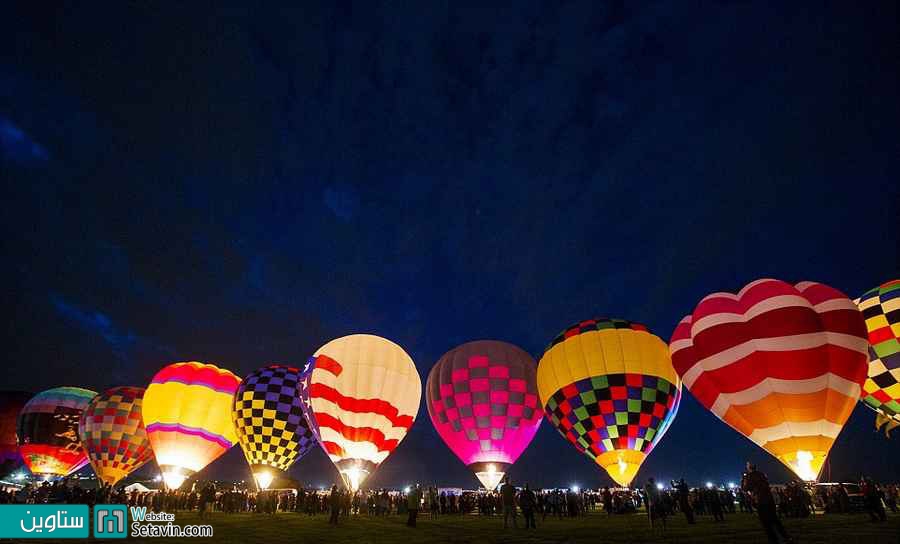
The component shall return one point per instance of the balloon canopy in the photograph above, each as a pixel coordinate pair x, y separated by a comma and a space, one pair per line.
270, 422
112, 433
483, 401
187, 414
11, 403
48, 431
364, 392
608, 386
782, 364
881, 310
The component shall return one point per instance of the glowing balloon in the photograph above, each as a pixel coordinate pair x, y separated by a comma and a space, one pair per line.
364, 392
609, 388
11, 403
269, 419
483, 401
187, 414
881, 391
112, 433
782, 364
48, 431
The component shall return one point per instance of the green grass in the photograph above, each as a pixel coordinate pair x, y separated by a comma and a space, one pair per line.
595, 528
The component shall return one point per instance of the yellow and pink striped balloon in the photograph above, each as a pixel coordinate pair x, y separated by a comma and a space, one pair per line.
187, 414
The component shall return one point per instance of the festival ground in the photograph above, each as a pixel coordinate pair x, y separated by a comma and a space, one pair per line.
471, 529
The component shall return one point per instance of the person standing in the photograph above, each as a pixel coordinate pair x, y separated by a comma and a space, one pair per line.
874, 503
508, 497
756, 484
433, 502
655, 509
527, 502
334, 502
413, 502
684, 502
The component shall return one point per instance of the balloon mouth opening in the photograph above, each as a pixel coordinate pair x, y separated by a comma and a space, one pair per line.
490, 480
490, 474
354, 477
354, 472
263, 479
174, 477
806, 465
621, 465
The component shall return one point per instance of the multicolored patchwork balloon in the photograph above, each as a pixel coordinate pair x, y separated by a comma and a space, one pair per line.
269, 419
11, 403
782, 364
364, 393
881, 391
187, 414
113, 435
48, 431
608, 386
483, 401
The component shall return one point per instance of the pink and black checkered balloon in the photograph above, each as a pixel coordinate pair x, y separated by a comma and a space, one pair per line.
483, 401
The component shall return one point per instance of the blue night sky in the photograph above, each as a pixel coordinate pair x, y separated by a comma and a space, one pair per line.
241, 186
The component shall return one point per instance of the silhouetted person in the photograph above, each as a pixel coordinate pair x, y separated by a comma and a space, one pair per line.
334, 502
684, 502
607, 501
874, 503
508, 497
654, 505
756, 484
413, 501
527, 502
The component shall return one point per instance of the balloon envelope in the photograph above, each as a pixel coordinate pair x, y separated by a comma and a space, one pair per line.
269, 420
881, 310
482, 399
364, 392
187, 414
48, 431
608, 386
782, 364
113, 435
11, 403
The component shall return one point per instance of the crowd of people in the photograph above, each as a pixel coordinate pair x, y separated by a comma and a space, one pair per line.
755, 495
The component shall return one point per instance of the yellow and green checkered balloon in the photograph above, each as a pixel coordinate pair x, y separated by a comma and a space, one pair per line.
881, 392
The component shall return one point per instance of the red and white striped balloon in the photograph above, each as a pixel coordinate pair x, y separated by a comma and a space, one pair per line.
364, 394
782, 364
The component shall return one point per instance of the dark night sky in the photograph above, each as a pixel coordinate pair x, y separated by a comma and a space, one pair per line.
239, 186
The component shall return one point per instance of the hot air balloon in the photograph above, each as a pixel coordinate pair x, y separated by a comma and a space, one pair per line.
187, 414
881, 391
11, 403
609, 388
364, 392
782, 364
113, 434
483, 401
48, 431
269, 419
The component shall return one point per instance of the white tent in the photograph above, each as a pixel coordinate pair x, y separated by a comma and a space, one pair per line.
137, 486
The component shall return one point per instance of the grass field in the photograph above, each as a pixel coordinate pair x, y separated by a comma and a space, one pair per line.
595, 528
